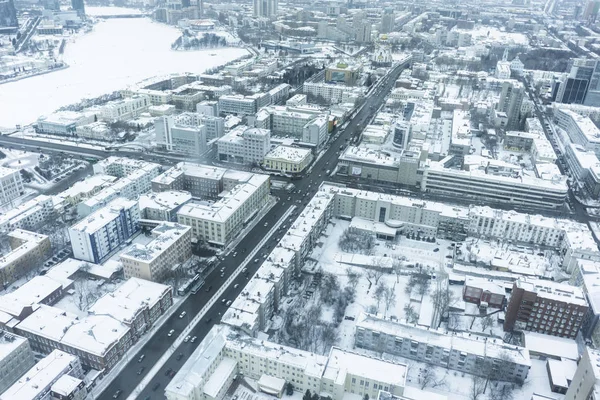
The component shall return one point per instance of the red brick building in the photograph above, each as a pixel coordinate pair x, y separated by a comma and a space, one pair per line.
478, 290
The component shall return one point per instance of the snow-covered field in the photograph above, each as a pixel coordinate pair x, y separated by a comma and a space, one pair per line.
117, 53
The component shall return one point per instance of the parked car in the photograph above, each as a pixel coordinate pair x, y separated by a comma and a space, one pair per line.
194, 339
171, 332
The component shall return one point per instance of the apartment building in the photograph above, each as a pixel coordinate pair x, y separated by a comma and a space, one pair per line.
38, 382
85, 189
586, 381
585, 167
98, 340
546, 307
214, 125
222, 355
28, 215
137, 303
162, 206
244, 145
96, 236
288, 160
220, 221
237, 105
11, 184
28, 251
462, 352
579, 129
155, 261
125, 109
16, 358
333, 93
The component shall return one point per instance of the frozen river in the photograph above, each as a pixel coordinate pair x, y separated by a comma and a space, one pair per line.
118, 52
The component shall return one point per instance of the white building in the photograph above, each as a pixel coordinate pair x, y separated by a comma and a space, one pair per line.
316, 131
244, 145
99, 234
288, 160
63, 122
265, 8
503, 70
214, 125
11, 184
155, 261
218, 222
333, 93
96, 131
16, 358
237, 104
125, 109
463, 352
27, 215
586, 381
37, 383
178, 138
162, 206
580, 130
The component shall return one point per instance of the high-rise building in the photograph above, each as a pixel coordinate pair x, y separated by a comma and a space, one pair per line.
510, 103
590, 13
265, 8
582, 84
586, 381
78, 6
8, 16
363, 31
387, 21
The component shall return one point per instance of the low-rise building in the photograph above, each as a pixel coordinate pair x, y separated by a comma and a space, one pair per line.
11, 185
288, 160
28, 215
125, 109
155, 261
333, 93
85, 189
546, 307
579, 129
483, 293
162, 206
237, 104
16, 358
462, 352
63, 123
38, 382
28, 251
96, 236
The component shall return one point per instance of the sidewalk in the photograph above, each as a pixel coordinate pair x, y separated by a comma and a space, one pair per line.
192, 325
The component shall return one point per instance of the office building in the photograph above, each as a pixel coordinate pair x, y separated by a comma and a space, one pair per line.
28, 251
8, 17
157, 260
38, 382
288, 160
333, 93
237, 105
362, 32
388, 20
585, 169
11, 185
96, 236
184, 139
462, 352
213, 124
16, 358
543, 306
342, 73
580, 130
509, 104
125, 109
265, 8
582, 83
586, 381
98, 340
244, 145
28, 215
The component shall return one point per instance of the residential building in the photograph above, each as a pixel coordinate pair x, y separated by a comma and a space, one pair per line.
237, 104
155, 261
288, 160
224, 354
185, 139
586, 381
388, 21
333, 93
265, 8
38, 381
244, 145
279, 93
137, 303
98, 340
28, 215
547, 307
40, 289
67, 387
28, 251
315, 133
214, 125
509, 104
585, 169
220, 221
85, 189
579, 129
11, 184
162, 206
16, 358
462, 352
96, 236
483, 292
363, 31
125, 109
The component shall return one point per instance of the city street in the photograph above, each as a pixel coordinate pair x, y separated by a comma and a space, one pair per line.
128, 379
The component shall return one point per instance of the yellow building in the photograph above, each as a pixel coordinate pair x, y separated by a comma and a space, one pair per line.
29, 249
291, 160
342, 73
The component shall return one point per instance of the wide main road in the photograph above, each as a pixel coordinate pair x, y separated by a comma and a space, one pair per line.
160, 342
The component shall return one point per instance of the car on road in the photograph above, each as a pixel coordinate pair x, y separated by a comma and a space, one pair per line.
171, 332
168, 372
436, 250
228, 303
171, 374
156, 386
179, 356
187, 338
266, 224
208, 289
223, 300
117, 394
236, 285
255, 260
235, 253
183, 314
207, 320
141, 370
141, 358
194, 339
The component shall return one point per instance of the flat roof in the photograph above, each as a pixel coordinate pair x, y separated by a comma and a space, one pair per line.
100, 218
287, 153
553, 290
167, 233
9, 342
553, 346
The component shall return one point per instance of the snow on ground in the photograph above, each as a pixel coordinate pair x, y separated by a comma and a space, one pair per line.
117, 53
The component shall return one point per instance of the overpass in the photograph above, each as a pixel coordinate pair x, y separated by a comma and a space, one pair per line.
144, 15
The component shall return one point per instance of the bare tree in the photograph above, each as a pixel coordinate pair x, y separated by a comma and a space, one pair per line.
85, 294
486, 322
453, 321
429, 378
374, 275
410, 313
477, 387
379, 292
389, 297
353, 277
442, 298
501, 391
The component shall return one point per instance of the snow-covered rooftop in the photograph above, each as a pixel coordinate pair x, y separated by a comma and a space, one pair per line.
102, 217
165, 234
552, 346
287, 153
165, 201
32, 292
9, 342
553, 290
65, 385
